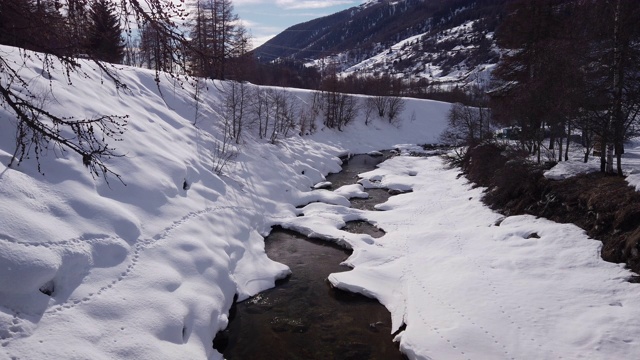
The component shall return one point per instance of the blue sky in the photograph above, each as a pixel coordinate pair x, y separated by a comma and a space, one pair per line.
267, 18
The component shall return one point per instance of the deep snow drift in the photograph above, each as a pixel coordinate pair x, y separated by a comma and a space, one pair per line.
150, 269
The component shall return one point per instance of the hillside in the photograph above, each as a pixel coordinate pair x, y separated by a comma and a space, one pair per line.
439, 41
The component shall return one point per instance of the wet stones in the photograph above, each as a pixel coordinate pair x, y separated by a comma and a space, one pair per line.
363, 227
279, 324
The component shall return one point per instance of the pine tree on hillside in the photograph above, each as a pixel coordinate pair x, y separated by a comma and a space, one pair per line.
77, 19
34, 25
105, 34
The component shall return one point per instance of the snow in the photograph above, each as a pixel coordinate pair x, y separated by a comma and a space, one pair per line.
460, 75
150, 269
576, 165
471, 284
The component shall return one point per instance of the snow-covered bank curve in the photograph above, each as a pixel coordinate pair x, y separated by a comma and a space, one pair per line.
149, 270
470, 285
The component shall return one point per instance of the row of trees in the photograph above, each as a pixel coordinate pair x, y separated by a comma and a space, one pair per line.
218, 45
96, 29
272, 113
77, 28
571, 65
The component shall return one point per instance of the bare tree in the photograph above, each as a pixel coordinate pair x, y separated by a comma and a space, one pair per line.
236, 107
157, 51
368, 108
223, 151
395, 108
284, 110
338, 109
261, 111
466, 125
215, 35
380, 103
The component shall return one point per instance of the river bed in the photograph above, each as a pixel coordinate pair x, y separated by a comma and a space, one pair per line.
303, 317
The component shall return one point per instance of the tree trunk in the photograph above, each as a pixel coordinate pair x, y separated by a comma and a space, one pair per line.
560, 139
609, 159
566, 150
603, 155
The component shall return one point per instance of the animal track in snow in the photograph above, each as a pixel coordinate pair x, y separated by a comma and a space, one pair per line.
81, 240
139, 247
465, 317
502, 311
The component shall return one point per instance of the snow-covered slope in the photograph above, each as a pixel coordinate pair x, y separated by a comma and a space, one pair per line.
443, 59
150, 269
432, 45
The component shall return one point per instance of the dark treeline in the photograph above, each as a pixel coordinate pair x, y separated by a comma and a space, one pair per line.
566, 66
211, 40
292, 73
79, 28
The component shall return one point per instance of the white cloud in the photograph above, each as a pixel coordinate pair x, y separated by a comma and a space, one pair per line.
248, 2
311, 4
257, 41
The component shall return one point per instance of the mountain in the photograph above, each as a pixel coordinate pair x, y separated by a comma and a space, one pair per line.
440, 41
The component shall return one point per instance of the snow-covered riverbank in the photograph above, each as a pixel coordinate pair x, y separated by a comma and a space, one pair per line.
470, 284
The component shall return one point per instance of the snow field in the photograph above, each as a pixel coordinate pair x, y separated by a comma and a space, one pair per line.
150, 269
471, 285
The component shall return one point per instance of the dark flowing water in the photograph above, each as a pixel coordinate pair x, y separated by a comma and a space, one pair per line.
303, 317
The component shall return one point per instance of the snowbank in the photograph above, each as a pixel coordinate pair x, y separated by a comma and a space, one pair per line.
150, 269
470, 284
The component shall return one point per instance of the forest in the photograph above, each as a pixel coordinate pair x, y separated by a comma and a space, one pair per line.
570, 66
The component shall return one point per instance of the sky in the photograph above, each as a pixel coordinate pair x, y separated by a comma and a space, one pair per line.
267, 18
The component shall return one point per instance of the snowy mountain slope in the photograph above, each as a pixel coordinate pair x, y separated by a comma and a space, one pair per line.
443, 42
150, 269
412, 60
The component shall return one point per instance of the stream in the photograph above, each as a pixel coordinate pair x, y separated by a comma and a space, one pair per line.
303, 317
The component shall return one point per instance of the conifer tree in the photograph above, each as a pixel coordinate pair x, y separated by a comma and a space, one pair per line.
105, 41
77, 24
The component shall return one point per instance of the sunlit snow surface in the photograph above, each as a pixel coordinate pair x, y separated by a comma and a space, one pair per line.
149, 270
470, 284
